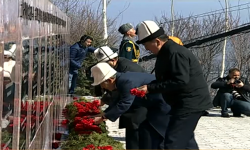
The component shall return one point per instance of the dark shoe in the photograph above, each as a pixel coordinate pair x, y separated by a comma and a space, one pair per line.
205, 113
226, 115
237, 115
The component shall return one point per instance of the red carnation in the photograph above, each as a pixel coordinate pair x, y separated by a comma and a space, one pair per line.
137, 93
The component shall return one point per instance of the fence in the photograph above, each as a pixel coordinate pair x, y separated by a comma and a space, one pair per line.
33, 72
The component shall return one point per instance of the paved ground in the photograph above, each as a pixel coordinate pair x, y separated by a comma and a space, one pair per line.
213, 132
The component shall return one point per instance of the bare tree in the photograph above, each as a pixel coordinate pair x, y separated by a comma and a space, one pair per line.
240, 52
87, 20
190, 29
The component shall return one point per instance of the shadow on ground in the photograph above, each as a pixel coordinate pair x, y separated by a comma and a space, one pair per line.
119, 138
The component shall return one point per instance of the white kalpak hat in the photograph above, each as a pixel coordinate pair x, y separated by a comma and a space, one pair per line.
104, 54
147, 31
101, 72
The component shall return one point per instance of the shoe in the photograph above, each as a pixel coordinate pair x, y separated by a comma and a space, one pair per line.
205, 113
237, 115
226, 115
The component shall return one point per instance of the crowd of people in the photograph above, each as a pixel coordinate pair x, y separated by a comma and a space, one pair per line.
177, 95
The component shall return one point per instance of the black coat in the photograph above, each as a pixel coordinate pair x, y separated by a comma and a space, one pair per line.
157, 108
221, 84
180, 79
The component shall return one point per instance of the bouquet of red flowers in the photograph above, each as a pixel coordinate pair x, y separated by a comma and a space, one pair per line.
82, 130
87, 108
78, 114
137, 93
85, 125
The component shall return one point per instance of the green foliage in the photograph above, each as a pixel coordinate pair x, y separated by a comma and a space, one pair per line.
84, 86
72, 110
77, 142
6, 136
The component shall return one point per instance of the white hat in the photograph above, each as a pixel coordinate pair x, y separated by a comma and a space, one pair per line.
147, 31
101, 72
104, 54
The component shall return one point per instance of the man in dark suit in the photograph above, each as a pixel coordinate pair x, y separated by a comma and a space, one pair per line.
120, 64
154, 124
180, 79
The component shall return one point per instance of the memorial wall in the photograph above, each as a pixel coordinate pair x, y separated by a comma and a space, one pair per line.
33, 72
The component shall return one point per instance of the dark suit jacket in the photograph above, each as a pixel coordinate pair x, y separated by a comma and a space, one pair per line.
156, 106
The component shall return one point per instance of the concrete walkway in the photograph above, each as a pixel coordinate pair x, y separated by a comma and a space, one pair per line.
212, 132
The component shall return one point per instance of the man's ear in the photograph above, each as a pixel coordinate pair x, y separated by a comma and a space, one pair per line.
158, 41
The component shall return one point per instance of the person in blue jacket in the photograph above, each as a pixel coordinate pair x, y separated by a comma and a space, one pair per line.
78, 53
154, 125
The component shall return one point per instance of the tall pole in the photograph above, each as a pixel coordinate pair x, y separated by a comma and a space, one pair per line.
225, 42
172, 15
105, 35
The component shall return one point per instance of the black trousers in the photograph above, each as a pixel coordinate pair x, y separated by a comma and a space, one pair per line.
180, 132
132, 138
149, 138
145, 137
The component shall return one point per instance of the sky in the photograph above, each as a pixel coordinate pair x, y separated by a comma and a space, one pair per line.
135, 11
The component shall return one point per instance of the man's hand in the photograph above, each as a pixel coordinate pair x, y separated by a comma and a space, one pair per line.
101, 102
239, 85
98, 120
143, 88
98, 115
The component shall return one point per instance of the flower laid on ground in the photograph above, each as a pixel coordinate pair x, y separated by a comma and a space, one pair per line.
92, 147
85, 125
78, 115
137, 92
83, 133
